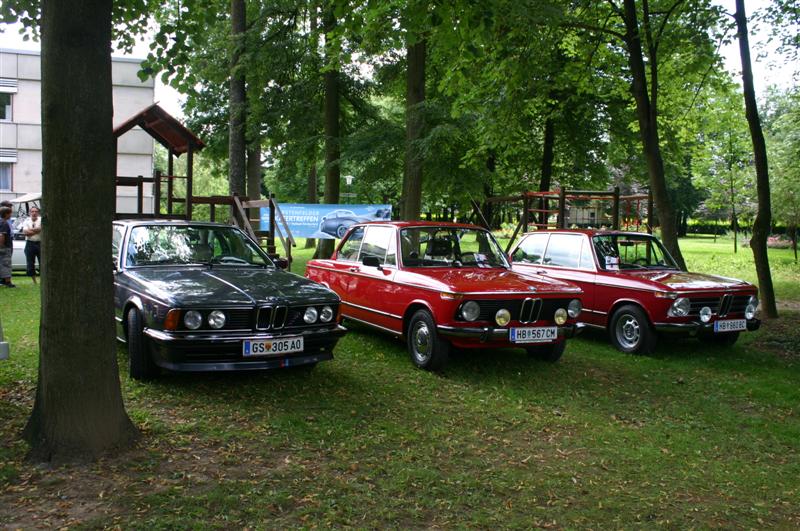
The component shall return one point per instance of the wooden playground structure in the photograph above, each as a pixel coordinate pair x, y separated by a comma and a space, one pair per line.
178, 140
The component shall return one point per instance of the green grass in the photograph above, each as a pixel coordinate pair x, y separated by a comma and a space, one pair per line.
692, 436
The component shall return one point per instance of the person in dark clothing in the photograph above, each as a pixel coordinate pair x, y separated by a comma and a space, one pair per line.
6, 247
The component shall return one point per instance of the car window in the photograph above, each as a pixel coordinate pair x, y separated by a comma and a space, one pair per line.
531, 249
631, 251
450, 247
116, 241
376, 243
587, 260
351, 246
563, 250
391, 253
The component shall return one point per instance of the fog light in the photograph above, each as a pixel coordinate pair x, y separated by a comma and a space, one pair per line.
502, 317
193, 320
750, 310
680, 308
470, 311
561, 316
216, 319
705, 314
310, 316
326, 315
574, 308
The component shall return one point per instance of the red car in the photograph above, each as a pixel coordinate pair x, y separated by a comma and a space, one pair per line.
443, 285
633, 289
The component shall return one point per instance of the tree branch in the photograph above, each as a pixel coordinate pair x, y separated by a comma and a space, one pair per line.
663, 24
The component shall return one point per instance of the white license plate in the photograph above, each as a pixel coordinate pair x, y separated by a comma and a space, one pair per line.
730, 325
272, 347
541, 334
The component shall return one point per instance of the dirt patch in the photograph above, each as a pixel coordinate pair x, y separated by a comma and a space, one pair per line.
781, 336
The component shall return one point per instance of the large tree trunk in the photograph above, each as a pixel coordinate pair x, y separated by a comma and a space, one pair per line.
332, 170
237, 145
311, 193
546, 179
415, 123
761, 226
78, 412
647, 115
254, 176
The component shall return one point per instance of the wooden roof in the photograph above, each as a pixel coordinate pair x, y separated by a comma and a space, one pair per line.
165, 128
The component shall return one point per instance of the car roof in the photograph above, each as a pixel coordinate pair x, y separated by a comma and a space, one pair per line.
178, 222
421, 224
590, 232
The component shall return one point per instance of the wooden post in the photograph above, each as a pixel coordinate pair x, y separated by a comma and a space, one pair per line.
157, 193
213, 211
650, 217
189, 175
139, 195
615, 210
170, 192
526, 209
562, 208
271, 233
170, 166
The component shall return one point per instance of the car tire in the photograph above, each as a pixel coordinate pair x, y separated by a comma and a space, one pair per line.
727, 339
341, 230
550, 353
140, 363
631, 331
427, 350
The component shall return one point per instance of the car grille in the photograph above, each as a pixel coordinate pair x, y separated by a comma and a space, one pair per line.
522, 310
281, 317
722, 306
697, 304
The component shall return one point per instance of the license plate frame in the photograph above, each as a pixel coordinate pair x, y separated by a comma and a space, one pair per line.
533, 334
730, 325
258, 348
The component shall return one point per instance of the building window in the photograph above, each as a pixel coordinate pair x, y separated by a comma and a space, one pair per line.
5, 175
5, 107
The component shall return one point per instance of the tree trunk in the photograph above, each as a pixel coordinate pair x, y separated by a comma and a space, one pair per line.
793, 230
415, 96
761, 225
254, 176
647, 116
546, 180
331, 111
78, 412
311, 194
237, 102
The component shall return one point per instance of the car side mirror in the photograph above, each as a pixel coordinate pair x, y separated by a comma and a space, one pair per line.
281, 263
371, 261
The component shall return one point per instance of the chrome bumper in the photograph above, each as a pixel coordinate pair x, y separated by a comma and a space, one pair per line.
693, 329
164, 336
487, 334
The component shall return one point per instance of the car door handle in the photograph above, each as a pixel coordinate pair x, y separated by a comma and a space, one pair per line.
354, 269
541, 272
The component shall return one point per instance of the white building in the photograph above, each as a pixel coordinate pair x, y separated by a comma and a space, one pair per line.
21, 125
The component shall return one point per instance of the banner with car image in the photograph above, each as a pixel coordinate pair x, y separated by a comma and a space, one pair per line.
325, 222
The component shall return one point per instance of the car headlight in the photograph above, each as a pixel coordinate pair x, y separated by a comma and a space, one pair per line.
193, 320
470, 311
705, 314
311, 315
502, 317
326, 314
216, 319
560, 316
752, 306
574, 308
680, 308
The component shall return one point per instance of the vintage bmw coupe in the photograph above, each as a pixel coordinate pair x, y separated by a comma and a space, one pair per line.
193, 296
444, 284
633, 289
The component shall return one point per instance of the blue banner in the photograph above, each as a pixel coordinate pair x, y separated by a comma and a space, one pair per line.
325, 222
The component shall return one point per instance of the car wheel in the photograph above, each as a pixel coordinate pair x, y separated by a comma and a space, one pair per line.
631, 331
551, 353
341, 230
140, 364
726, 340
427, 350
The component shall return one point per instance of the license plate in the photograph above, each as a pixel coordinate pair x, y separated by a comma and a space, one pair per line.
272, 347
730, 325
542, 334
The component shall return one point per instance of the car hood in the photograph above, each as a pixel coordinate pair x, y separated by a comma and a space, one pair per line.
495, 280
196, 286
682, 280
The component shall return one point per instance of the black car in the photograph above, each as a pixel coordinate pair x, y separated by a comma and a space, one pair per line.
193, 296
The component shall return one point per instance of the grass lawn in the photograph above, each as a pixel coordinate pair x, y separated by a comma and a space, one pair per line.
691, 436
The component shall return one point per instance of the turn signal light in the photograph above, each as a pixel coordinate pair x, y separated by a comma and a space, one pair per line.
172, 319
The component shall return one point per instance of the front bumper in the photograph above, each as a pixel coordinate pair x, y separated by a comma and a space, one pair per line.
490, 335
692, 329
193, 351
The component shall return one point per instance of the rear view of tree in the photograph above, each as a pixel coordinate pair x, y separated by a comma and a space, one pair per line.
78, 411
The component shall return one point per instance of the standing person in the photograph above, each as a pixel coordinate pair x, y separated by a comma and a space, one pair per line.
32, 229
6, 247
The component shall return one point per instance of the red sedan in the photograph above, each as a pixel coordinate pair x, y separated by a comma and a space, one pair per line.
633, 289
445, 284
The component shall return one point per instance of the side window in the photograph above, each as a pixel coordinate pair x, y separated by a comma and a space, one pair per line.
349, 249
116, 241
531, 249
376, 243
587, 260
563, 250
391, 253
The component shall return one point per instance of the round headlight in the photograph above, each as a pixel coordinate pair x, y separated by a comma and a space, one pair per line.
326, 314
574, 308
750, 310
310, 316
680, 308
193, 320
560, 316
705, 314
216, 319
470, 311
502, 317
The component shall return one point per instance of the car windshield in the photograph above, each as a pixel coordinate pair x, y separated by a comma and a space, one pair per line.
182, 244
631, 251
450, 247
